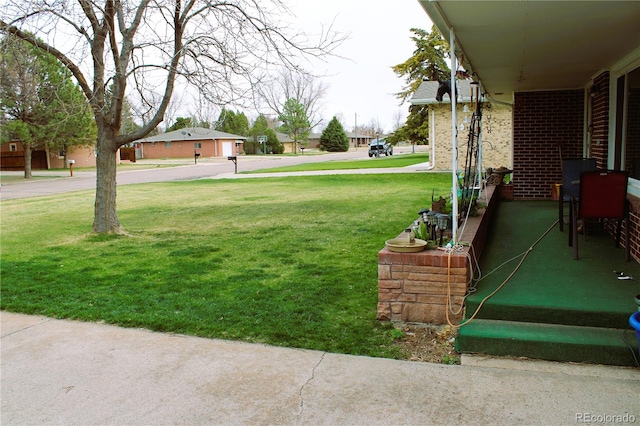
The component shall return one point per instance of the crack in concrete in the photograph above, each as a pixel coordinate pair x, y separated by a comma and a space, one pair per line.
26, 328
309, 380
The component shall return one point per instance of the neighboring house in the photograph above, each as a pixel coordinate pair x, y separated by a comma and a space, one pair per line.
184, 143
496, 123
12, 157
287, 142
82, 156
355, 140
314, 140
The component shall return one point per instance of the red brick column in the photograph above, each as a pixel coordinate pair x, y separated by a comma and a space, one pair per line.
413, 287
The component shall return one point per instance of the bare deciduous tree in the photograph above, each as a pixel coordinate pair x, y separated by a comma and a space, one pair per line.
397, 120
289, 83
363, 130
117, 48
171, 113
204, 112
375, 127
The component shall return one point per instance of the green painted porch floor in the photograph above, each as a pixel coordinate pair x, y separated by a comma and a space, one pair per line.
554, 307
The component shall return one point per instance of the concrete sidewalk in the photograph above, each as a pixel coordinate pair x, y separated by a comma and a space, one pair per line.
415, 168
67, 372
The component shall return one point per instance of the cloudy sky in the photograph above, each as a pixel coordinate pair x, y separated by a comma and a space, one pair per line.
379, 38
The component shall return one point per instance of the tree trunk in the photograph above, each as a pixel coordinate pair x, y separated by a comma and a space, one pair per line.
27, 163
105, 219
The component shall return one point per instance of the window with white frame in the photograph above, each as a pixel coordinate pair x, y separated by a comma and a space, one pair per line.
13, 147
627, 124
167, 144
197, 145
624, 123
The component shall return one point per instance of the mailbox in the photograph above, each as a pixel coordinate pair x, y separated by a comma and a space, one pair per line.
235, 161
71, 161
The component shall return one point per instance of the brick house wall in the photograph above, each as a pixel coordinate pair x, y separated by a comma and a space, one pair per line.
544, 124
83, 157
49, 159
496, 135
185, 149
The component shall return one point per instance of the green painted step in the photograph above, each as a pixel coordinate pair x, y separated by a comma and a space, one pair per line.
616, 316
554, 342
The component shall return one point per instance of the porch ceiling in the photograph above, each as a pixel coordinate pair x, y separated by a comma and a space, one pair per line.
514, 46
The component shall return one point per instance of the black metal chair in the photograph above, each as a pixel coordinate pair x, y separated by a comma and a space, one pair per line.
602, 195
571, 170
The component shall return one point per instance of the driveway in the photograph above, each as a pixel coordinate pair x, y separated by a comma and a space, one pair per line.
71, 372
61, 182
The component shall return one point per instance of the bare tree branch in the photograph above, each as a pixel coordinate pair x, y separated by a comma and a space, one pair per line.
289, 84
119, 50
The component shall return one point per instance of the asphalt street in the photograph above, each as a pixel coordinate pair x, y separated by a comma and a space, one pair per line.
59, 182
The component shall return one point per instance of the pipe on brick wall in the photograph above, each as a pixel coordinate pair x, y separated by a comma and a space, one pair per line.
454, 138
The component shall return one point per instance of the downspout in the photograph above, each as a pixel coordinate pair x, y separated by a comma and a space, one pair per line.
432, 139
480, 162
454, 140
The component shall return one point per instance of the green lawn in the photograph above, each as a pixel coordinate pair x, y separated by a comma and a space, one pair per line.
283, 261
364, 163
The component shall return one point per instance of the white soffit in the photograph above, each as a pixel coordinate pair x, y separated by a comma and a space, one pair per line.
514, 46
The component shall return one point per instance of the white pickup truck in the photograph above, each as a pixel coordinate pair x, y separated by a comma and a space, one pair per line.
378, 147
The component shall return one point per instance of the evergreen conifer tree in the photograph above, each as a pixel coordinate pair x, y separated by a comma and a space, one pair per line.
333, 138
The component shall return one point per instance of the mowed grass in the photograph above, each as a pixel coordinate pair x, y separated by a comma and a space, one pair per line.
363, 163
282, 261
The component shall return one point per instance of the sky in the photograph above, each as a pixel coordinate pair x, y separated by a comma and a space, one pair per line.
380, 38
363, 86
